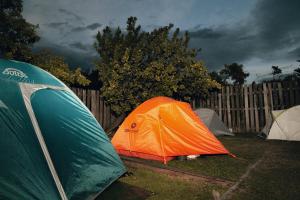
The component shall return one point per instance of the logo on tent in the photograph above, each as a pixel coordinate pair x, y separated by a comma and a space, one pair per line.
14, 72
133, 125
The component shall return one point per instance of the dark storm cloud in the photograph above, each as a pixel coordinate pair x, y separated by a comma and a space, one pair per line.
80, 46
56, 24
272, 29
84, 60
206, 33
295, 53
71, 14
92, 27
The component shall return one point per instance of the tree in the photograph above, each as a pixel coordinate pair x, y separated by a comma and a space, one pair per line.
16, 35
218, 77
136, 65
57, 66
276, 70
297, 72
235, 72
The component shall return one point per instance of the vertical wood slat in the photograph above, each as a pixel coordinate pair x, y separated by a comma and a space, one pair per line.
88, 99
220, 105
224, 106
266, 102
270, 96
84, 96
252, 125
228, 107
93, 102
280, 93
246, 108
98, 113
237, 97
255, 96
291, 96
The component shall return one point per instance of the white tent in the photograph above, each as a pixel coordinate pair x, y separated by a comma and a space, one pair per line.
213, 122
285, 126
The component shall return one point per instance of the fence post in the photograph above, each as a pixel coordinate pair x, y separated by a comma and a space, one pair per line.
280, 95
246, 107
270, 90
228, 106
93, 103
220, 105
256, 108
266, 105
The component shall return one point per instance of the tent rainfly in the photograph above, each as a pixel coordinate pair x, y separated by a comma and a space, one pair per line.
51, 145
213, 122
284, 125
161, 129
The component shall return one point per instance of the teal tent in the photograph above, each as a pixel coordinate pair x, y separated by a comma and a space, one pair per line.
51, 146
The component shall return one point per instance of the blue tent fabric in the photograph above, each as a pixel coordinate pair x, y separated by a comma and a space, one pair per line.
84, 159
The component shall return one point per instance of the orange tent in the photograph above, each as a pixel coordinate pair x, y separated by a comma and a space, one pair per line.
162, 128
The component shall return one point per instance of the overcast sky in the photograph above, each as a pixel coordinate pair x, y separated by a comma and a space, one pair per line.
255, 33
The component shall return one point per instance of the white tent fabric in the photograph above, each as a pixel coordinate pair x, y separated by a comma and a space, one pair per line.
286, 125
213, 122
270, 119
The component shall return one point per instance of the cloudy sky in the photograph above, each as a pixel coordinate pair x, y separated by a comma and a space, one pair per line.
256, 33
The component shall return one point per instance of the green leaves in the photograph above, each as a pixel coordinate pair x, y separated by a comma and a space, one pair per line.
135, 66
235, 72
16, 35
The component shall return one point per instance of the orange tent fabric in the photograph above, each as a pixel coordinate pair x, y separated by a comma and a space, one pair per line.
162, 128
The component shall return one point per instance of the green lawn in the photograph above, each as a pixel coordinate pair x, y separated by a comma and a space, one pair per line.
276, 177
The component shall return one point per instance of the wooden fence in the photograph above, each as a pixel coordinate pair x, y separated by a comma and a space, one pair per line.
242, 108
247, 108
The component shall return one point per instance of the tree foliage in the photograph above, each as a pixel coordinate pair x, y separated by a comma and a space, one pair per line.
57, 66
218, 77
276, 70
235, 72
136, 65
16, 35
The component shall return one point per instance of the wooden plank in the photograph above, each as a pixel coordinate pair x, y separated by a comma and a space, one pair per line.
88, 99
256, 109
84, 96
275, 97
228, 106
93, 102
101, 120
237, 100
107, 113
291, 91
286, 97
220, 105
246, 108
98, 106
270, 96
233, 108
224, 107
260, 106
251, 110
280, 93
266, 102
79, 93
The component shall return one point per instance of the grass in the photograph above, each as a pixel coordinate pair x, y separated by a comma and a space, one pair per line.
277, 176
145, 184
